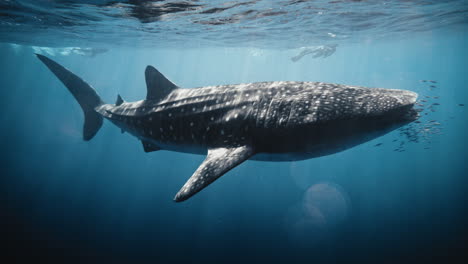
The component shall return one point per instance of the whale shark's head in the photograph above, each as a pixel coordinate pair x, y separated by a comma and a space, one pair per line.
394, 107
386, 110
354, 115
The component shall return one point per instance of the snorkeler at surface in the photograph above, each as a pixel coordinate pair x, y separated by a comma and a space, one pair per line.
323, 51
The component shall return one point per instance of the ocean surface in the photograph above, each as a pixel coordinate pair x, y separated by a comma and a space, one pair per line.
401, 198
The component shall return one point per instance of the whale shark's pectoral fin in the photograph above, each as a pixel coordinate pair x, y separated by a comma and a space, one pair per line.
149, 147
217, 162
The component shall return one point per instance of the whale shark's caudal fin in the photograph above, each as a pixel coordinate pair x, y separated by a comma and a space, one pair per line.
83, 93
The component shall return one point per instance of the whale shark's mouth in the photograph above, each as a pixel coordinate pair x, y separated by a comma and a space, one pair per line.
410, 114
406, 112
403, 114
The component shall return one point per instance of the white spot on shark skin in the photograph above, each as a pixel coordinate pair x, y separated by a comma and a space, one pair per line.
171, 128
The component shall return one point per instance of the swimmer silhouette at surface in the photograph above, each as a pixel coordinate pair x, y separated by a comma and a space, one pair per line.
322, 51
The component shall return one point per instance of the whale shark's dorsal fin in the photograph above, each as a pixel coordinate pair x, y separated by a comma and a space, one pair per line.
119, 100
217, 162
158, 86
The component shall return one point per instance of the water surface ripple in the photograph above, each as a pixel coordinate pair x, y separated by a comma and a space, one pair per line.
256, 23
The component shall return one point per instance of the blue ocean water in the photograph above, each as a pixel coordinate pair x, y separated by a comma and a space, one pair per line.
400, 198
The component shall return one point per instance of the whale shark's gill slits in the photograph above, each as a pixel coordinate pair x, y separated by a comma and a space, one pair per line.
279, 109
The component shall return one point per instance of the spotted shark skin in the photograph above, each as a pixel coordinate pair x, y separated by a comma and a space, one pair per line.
269, 121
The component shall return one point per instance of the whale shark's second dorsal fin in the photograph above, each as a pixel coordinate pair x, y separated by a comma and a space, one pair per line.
119, 100
158, 86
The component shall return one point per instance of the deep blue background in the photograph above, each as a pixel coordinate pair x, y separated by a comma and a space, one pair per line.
66, 200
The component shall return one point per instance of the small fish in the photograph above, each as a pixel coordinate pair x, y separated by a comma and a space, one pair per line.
432, 121
378, 144
423, 80
435, 104
433, 81
461, 104
423, 101
436, 97
427, 96
417, 122
395, 140
433, 86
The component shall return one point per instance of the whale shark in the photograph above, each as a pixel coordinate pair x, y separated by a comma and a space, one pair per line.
266, 121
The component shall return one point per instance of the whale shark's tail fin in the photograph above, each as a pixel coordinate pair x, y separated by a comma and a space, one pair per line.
83, 93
